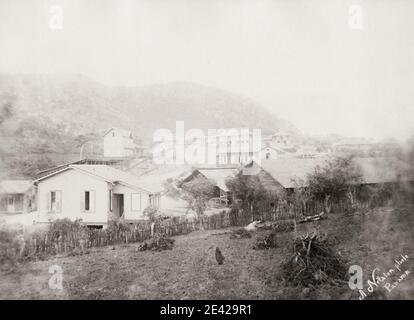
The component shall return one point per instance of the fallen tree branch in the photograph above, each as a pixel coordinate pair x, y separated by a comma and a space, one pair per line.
315, 217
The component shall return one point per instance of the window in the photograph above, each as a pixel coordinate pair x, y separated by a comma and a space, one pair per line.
136, 202
110, 200
154, 201
10, 198
88, 201
54, 201
87, 198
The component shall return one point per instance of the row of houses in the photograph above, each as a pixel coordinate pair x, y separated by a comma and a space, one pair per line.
235, 147
96, 193
285, 175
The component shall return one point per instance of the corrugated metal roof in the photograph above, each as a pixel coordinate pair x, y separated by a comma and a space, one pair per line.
15, 186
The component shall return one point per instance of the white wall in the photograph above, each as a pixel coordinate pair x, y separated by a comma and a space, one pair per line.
72, 185
129, 214
273, 153
116, 145
113, 145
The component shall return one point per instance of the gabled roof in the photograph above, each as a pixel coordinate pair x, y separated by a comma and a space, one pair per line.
108, 174
287, 171
278, 150
123, 132
15, 186
218, 175
106, 160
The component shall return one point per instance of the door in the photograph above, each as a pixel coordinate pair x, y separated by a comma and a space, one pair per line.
18, 202
118, 205
10, 203
121, 205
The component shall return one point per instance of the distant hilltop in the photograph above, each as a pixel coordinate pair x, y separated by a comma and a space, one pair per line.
48, 119
81, 105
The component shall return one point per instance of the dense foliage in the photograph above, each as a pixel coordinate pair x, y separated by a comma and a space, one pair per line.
249, 194
197, 193
334, 180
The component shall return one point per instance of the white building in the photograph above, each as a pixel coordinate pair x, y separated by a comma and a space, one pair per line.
279, 139
223, 147
269, 152
16, 196
120, 143
309, 151
94, 194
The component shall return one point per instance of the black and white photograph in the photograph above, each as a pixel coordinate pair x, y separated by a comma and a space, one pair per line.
222, 150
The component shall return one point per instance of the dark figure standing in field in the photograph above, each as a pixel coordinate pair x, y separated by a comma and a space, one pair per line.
219, 256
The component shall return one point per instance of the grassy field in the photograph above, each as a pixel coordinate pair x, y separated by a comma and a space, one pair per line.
189, 271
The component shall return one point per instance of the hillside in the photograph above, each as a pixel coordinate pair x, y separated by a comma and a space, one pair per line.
80, 104
54, 114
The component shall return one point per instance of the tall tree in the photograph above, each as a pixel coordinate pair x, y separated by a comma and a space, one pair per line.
248, 190
335, 180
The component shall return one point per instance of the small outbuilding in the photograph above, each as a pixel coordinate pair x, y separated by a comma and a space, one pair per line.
16, 196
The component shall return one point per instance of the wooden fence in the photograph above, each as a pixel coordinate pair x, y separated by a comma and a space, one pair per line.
75, 237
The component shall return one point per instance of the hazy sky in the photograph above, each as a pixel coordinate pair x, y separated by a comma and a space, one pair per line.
298, 58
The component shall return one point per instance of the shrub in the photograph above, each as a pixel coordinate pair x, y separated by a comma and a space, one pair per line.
335, 180
64, 229
157, 243
150, 213
267, 242
284, 226
117, 231
249, 193
240, 233
234, 215
11, 245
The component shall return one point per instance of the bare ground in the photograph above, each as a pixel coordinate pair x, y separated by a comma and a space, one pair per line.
189, 271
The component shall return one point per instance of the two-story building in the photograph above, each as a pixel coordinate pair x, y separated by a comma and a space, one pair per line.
119, 143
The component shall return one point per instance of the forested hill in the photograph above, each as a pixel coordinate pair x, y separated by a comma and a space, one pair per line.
44, 119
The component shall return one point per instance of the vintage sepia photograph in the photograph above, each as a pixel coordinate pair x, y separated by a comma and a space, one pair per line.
206, 150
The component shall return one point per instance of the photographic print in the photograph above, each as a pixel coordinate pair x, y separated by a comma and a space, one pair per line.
206, 150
